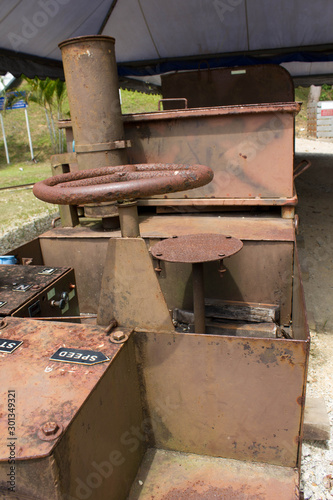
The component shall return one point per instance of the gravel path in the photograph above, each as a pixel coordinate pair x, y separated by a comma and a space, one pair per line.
313, 146
314, 189
317, 457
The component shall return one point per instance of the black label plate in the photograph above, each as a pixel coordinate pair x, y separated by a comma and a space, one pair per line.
8, 345
79, 356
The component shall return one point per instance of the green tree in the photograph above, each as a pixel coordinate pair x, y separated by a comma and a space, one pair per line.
49, 94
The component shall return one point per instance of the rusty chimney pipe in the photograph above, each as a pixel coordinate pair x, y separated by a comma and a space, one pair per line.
93, 93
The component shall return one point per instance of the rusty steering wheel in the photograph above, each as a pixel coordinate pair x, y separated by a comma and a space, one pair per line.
119, 183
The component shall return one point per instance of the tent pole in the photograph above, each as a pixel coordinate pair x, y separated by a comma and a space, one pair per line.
29, 135
4, 138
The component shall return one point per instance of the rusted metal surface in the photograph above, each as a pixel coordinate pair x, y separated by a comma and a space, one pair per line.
18, 303
129, 220
246, 109
108, 433
130, 292
123, 182
250, 148
198, 297
197, 249
92, 86
300, 330
300, 320
204, 203
301, 167
100, 451
50, 391
68, 214
108, 212
230, 86
230, 397
30, 250
245, 228
261, 272
192, 248
101, 210
271, 238
166, 475
217, 201
59, 160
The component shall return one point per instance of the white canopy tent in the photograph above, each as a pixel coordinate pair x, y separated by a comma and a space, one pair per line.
157, 36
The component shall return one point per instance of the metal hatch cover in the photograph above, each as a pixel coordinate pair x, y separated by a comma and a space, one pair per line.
194, 248
46, 391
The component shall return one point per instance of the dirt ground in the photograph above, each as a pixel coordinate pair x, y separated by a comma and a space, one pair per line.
315, 241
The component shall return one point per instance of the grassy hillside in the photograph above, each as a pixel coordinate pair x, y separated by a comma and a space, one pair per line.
16, 131
20, 206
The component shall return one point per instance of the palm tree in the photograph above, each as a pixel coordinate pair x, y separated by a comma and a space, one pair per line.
49, 94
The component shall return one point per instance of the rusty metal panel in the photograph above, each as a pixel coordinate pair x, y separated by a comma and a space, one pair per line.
97, 408
261, 272
53, 391
299, 314
300, 324
228, 397
41, 290
249, 148
242, 227
84, 249
104, 446
34, 480
86, 255
130, 292
203, 204
30, 250
48, 301
229, 86
166, 475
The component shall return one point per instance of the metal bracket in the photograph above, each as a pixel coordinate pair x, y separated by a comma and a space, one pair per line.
101, 146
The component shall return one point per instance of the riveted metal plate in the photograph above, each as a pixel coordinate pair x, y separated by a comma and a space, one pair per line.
194, 248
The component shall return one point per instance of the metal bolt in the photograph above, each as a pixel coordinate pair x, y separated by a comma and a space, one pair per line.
221, 254
118, 335
50, 428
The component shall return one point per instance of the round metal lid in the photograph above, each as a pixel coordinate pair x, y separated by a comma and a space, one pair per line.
195, 248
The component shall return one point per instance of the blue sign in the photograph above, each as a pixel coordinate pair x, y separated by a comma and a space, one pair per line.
11, 103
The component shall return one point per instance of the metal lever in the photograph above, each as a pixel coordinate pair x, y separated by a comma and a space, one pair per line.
62, 302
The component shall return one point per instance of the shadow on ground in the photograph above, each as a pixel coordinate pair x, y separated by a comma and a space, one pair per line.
315, 240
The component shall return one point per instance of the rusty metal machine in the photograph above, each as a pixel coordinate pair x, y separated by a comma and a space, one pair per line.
192, 382
37, 291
